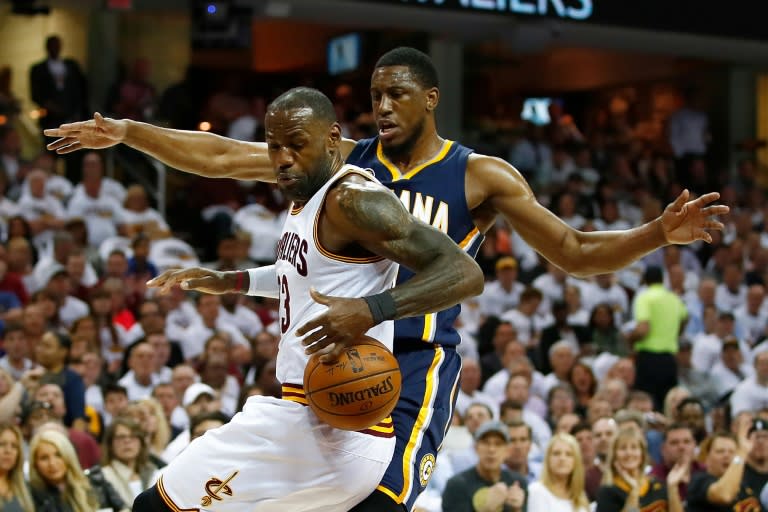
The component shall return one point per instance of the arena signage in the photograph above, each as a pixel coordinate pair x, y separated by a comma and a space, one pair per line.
568, 9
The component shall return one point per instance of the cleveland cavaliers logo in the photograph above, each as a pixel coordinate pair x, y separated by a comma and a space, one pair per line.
426, 467
214, 488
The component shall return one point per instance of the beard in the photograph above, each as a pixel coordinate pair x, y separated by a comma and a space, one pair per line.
313, 181
396, 151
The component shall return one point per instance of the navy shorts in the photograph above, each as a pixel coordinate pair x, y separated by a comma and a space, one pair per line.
430, 381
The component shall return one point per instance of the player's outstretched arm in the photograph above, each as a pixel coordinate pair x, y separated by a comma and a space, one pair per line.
202, 153
493, 182
368, 214
261, 281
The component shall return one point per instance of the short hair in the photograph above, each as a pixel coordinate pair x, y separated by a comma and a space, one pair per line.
520, 424
115, 389
626, 415
12, 327
581, 426
418, 63
484, 406
305, 97
676, 426
561, 344
207, 416
653, 275
688, 401
509, 405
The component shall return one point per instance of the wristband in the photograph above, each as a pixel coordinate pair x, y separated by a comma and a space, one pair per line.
382, 307
242, 281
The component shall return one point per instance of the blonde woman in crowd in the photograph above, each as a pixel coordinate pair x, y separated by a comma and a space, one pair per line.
57, 480
561, 486
14, 493
627, 487
126, 462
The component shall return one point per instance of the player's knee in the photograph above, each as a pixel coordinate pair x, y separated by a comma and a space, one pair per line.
150, 501
378, 502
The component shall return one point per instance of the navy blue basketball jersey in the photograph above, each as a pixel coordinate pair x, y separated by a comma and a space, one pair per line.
433, 192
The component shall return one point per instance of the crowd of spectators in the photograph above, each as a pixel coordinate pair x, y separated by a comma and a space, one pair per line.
643, 388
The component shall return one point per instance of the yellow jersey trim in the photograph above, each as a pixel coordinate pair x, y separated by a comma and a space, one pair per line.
395, 172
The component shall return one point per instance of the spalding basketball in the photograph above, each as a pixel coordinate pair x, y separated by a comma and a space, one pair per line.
358, 390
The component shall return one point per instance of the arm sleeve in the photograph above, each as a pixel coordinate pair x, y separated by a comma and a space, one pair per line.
263, 282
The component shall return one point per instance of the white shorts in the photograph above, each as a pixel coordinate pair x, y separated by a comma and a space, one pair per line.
275, 456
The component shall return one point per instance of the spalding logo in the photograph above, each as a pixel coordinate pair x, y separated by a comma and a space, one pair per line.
382, 388
426, 467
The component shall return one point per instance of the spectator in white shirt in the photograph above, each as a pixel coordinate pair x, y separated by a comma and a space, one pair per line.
42, 211
577, 313
609, 218
469, 388
110, 188
234, 312
136, 216
695, 304
562, 357
605, 290
214, 370
561, 488
492, 362
731, 294
57, 286
502, 294
707, 348
525, 320
162, 356
194, 338
519, 390
62, 247
730, 370
552, 286
140, 379
752, 318
91, 203
752, 393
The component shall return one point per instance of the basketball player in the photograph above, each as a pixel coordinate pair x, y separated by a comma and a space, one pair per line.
448, 186
344, 236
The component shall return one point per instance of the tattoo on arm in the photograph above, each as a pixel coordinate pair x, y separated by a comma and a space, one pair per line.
444, 274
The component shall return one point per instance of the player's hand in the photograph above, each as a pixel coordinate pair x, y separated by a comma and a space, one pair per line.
194, 279
341, 324
97, 133
685, 221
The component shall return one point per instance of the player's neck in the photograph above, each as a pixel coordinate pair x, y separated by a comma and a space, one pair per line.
424, 149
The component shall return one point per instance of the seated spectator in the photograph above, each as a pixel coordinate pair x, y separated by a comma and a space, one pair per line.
11, 393
56, 478
140, 379
560, 402
115, 402
561, 330
477, 415
520, 443
487, 485
593, 473
756, 468
690, 411
137, 217
216, 369
43, 212
625, 484
752, 393
16, 359
722, 487
503, 293
112, 337
51, 354
233, 311
604, 431
604, 334
561, 487
139, 266
170, 404
14, 492
204, 422
126, 465
584, 385
678, 447
495, 364
198, 398
697, 382
209, 323
469, 385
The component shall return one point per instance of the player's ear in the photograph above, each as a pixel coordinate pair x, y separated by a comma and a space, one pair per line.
334, 136
433, 98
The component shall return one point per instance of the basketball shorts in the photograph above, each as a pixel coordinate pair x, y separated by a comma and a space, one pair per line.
430, 378
276, 456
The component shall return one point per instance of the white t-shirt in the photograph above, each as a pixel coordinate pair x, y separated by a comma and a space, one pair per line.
541, 499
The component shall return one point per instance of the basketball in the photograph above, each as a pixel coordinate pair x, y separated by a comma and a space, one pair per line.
358, 390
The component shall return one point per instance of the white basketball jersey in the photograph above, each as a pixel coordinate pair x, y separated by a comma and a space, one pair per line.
303, 263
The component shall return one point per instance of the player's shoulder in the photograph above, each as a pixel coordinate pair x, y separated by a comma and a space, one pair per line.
495, 173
